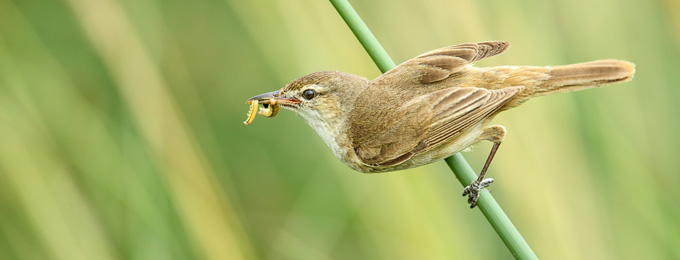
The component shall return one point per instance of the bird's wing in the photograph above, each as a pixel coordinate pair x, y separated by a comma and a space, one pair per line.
439, 64
460, 109
426, 122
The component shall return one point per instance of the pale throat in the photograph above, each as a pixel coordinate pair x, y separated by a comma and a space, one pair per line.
329, 126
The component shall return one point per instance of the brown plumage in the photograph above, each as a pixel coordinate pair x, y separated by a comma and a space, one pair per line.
428, 107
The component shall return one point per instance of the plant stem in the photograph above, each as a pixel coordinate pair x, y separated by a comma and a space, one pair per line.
486, 203
493, 212
364, 35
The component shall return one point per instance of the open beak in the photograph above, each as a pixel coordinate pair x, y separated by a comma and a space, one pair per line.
273, 98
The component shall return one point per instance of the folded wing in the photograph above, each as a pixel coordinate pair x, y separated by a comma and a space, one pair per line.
427, 122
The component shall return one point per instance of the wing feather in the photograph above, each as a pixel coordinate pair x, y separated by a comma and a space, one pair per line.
439, 64
446, 113
467, 113
442, 112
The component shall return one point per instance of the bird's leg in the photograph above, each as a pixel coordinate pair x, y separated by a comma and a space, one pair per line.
495, 134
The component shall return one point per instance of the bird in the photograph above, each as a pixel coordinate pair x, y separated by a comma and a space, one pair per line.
429, 107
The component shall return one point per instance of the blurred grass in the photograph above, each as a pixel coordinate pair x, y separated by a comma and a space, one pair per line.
121, 133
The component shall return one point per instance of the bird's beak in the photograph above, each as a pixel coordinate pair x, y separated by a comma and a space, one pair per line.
273, 98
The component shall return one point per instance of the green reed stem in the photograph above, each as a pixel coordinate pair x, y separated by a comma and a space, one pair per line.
460, 167
364, 35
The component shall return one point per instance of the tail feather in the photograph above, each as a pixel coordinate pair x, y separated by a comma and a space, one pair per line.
585, 75
539, 81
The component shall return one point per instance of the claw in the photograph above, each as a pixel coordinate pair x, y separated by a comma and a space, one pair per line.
473, 190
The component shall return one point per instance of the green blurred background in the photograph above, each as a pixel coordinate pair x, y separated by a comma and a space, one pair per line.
121, 133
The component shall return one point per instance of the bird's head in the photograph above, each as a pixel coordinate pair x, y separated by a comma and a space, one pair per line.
321, 98
324, 100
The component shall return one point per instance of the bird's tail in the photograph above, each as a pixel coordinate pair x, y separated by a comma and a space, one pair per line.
539, 81
584, 75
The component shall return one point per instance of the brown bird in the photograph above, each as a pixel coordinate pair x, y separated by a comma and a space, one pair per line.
429, 107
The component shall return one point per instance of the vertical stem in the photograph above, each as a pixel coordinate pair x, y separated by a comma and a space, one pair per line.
366, 38
486, 203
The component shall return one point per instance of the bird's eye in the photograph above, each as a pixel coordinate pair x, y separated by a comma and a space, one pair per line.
309, 94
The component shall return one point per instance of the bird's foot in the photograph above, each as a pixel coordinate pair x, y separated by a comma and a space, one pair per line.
472, 190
